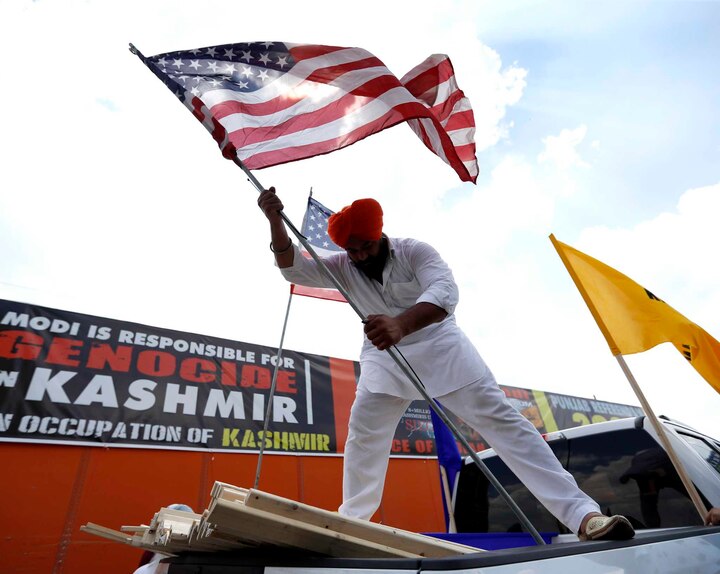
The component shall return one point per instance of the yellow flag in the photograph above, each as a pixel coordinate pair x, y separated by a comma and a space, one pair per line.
633, 319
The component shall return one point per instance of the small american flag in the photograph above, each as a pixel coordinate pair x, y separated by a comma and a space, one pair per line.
314, 228
269, 103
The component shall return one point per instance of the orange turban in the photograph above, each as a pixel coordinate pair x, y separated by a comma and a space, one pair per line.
361, 219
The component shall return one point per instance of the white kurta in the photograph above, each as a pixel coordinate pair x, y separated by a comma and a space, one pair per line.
441, 354
450, 368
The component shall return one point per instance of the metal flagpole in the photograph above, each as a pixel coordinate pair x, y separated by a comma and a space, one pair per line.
278, 358
268, 411
404, 367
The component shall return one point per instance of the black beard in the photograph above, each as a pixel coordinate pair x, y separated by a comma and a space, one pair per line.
373, 265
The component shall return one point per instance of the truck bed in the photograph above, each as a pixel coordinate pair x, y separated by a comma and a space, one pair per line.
687, 550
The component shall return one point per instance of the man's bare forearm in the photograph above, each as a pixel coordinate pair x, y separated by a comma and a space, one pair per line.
420, 315
280, 243
385, 331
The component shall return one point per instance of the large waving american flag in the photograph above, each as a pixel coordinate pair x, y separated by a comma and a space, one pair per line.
268, 103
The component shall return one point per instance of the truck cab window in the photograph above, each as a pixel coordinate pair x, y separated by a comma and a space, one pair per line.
628, 473
625, 471
479, 507
707, 450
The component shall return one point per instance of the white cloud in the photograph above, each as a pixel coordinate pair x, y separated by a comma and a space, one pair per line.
562, 150
671, 254
496, 88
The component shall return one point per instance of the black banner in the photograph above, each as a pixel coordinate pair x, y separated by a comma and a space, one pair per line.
79, 379
548, 412
71, 378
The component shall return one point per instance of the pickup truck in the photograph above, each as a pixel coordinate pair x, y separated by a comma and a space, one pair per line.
619, 463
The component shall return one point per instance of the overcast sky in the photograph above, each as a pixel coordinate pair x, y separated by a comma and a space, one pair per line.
596, 121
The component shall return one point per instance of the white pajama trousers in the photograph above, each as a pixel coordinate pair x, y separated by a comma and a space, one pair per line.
483, 406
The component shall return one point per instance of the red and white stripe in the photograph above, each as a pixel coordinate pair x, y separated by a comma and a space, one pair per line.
329, 293
334, 97
449, 131
317, 292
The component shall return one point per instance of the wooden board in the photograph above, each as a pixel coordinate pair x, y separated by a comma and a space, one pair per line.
400, 539
268, 528
239, 518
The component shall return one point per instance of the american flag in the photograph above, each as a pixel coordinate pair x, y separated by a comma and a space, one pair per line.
268, 103
314, 228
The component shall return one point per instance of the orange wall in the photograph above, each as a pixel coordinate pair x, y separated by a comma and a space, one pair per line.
51, 490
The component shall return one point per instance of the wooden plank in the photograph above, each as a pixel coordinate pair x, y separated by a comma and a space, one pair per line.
141, 528
268, 528
169, 526
212, 543
176, 527
229, 492
181, 514
109, 533
117, 536
411, 542
224, 540
240, 518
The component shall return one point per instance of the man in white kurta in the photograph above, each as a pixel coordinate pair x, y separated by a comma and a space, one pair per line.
408, 295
